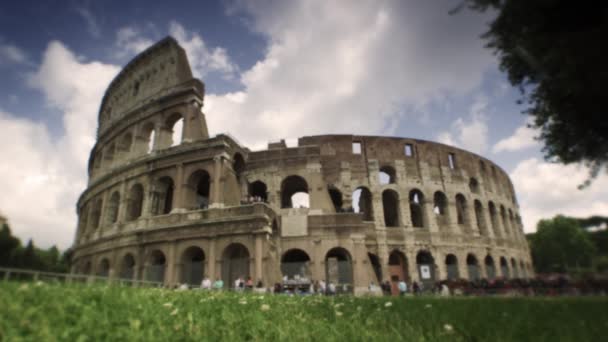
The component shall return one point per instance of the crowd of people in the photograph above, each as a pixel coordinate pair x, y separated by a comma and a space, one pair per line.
542, 286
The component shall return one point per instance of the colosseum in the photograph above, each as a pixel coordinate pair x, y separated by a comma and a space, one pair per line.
166, 202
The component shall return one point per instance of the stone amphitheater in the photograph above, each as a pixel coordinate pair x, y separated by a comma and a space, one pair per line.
166, 202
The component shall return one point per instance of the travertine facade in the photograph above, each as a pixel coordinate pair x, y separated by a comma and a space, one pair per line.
379, 208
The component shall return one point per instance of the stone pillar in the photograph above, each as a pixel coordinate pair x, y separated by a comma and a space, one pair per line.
146, 206
440, 266
217, 184
485, 210
412, 267
140, 264
318, 269
170, 275
360, 268
211, 273
463, 270
179, 193
122, 204
259, 241
428, 218
472, 218
158, 135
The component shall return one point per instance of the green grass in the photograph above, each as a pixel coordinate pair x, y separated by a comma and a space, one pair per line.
47, 312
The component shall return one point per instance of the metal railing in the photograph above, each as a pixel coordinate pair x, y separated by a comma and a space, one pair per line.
18, 274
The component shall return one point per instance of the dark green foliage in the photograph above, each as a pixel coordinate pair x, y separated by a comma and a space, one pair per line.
12, 254
47, 312
553, 51
561, 245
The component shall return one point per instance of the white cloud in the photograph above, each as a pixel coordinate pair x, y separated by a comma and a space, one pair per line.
130, 42
45, 175
472, 134
349, 67
91, 21
202, 59
547, 189
522, 138
11, 54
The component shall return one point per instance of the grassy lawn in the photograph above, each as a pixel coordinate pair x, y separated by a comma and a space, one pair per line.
47, 312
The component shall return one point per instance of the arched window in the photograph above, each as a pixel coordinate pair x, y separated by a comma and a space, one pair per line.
193, 266
362, 203
338, 267
426, 268
387, 175
336, 198
462, 210
490, 269
451, 264
104, 268
440, 208
156, 264
494, 219
294, 193
238, 166
474, 185
96, 213
127, 268
504, 268
390, 204
113, 206
481, 221
135, 202
295, 265
124, 144
258, 191
235, 263
163, 196
473, 267
199, 184
397, 266
175, 127
417, 208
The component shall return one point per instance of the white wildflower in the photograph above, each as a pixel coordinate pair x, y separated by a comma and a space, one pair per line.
338, 313
265, 307
174, 312
388, 304
448, 327
168, 305
428, 306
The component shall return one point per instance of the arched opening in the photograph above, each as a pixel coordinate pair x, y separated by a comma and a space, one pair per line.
155, 270
490, 268
390, 204
127, 267
336, 198
96, 213
417, 208
235, 263
193, 266
163, 196
238, 166
387, 175
505, 223
104, 268
397, 266
135, 202
294, 193
199, 184
275, 228
87, 268
504, 268
473, 267
451, 265
175, 127
295, 265
112, 210
258, 191
338, 267
440, 208
514, 268
462, 210
524, 272
362, 203
375, 262
426, 268
124, 145
474, 185
480, 218
494, 219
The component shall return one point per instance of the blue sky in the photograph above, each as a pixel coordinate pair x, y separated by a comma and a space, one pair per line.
273, 69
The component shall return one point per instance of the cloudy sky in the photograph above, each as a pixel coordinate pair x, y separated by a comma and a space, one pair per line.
273, 69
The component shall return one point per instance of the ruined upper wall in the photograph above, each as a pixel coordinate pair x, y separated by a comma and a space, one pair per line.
155, 72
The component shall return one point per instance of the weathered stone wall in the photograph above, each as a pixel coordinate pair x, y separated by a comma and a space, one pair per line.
151, 201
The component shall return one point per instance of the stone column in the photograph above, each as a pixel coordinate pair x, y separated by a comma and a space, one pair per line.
217, 183
412, 267
318, 269
259, 240
441, 268
360, 268
429, 219
179, 193
211, 273
122, 203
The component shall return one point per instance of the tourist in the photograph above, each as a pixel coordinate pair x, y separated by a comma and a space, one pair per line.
206, 284
249, 284
416, 288
218, 285
445, 290
331, 289
402, 287
322, 287
386, 288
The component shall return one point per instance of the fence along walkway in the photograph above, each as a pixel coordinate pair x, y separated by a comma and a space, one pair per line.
33, 275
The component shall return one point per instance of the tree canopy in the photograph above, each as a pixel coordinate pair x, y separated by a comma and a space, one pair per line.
561, 245
552, 51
